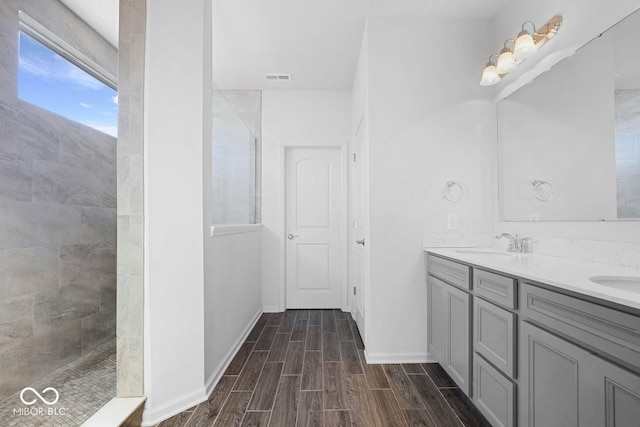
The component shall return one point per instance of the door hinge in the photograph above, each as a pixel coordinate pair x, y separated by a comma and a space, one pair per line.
354, 157
354, 290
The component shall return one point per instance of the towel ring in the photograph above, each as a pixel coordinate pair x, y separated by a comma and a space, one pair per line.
542, 190
453, 191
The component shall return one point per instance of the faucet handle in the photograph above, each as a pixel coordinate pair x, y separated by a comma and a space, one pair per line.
524, 244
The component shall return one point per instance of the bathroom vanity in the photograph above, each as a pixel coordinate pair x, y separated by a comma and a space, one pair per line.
536, 340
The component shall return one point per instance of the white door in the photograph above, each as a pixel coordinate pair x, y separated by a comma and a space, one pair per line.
314, 228
358, 223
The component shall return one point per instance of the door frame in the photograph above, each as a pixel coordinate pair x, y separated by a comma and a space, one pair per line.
352, 235
343, 146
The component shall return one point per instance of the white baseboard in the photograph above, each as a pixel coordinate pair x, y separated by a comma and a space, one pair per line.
213, 379
151, 418
271, 309
115, 412
168, 410
431, 359
276, 309
393, 358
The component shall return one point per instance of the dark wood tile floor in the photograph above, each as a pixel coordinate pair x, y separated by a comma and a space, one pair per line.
306, 368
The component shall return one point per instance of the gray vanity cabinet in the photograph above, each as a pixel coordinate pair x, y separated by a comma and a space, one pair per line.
542, 356
612, 395
494, 335
562, 384
550, 376
437, 291
458, 349
449, 318
449, 330
494, 341
609, 395
493, 394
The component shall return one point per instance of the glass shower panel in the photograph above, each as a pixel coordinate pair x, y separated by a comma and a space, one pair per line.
233, 165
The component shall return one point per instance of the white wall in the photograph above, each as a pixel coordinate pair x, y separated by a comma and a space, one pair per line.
232, 294
177, 123
429, 122
232, 266
583, 20
291, 118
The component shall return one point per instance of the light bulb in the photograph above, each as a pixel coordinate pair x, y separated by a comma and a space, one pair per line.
490, 75
506, 61
525, 46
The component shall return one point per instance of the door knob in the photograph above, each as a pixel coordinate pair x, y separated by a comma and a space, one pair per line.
360, 242
292, 236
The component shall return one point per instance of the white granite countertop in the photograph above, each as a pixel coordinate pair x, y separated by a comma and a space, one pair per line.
565, 273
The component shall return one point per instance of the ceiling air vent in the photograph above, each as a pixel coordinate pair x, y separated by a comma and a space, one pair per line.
277, 77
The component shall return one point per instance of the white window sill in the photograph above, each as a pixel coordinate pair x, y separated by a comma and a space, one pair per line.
227, 229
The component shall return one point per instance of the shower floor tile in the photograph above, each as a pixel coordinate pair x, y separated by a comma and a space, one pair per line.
83, 386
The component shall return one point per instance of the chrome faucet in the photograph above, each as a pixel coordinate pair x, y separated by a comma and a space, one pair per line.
516, 243
513, 242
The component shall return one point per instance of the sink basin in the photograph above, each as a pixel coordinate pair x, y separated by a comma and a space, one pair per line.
625, 283
480, 251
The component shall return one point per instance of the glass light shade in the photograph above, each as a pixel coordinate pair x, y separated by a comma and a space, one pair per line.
525, 46
506, 61
490, 75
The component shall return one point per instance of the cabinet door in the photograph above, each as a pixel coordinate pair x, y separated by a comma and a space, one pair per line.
493, 393
550, 373
612, 396
493, 335
458, 355
436, 333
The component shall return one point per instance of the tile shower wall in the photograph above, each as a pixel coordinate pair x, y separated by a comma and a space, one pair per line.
57, 218
130, 197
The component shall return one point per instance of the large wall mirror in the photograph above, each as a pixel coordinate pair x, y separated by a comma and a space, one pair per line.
569, 141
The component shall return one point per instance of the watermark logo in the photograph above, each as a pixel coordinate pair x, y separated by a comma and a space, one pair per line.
39, 396
30, 397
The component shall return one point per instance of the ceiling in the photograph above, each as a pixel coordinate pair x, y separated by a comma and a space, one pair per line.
101, 15
317, 42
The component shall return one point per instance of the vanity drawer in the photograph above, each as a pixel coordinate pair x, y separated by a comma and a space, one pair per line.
604, 329
493, 394
449, 271
496, 288
494, 335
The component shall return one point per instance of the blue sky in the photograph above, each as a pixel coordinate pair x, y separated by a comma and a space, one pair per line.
51, 82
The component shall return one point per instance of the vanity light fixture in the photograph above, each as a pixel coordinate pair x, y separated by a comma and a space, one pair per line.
507, 59
490, 74
524, 45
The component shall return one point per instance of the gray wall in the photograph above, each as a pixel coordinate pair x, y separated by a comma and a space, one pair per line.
57, 218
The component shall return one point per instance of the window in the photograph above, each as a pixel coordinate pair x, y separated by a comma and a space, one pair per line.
48, 80
234, 160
